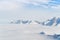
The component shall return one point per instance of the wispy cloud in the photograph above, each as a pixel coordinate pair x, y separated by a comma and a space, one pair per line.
55, 4
13, 4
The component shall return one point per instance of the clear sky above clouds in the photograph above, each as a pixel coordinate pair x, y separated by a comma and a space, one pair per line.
30, 9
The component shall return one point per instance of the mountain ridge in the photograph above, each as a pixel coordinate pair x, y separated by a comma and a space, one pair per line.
55, 21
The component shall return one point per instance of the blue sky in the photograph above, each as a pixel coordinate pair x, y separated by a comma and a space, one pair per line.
29, 9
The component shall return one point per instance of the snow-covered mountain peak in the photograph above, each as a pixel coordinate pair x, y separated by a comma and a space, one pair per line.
54, 21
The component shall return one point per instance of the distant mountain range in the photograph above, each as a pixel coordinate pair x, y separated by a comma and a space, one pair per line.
49, 22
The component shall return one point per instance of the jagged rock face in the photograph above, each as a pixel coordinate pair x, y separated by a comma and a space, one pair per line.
50, 22
58, 21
